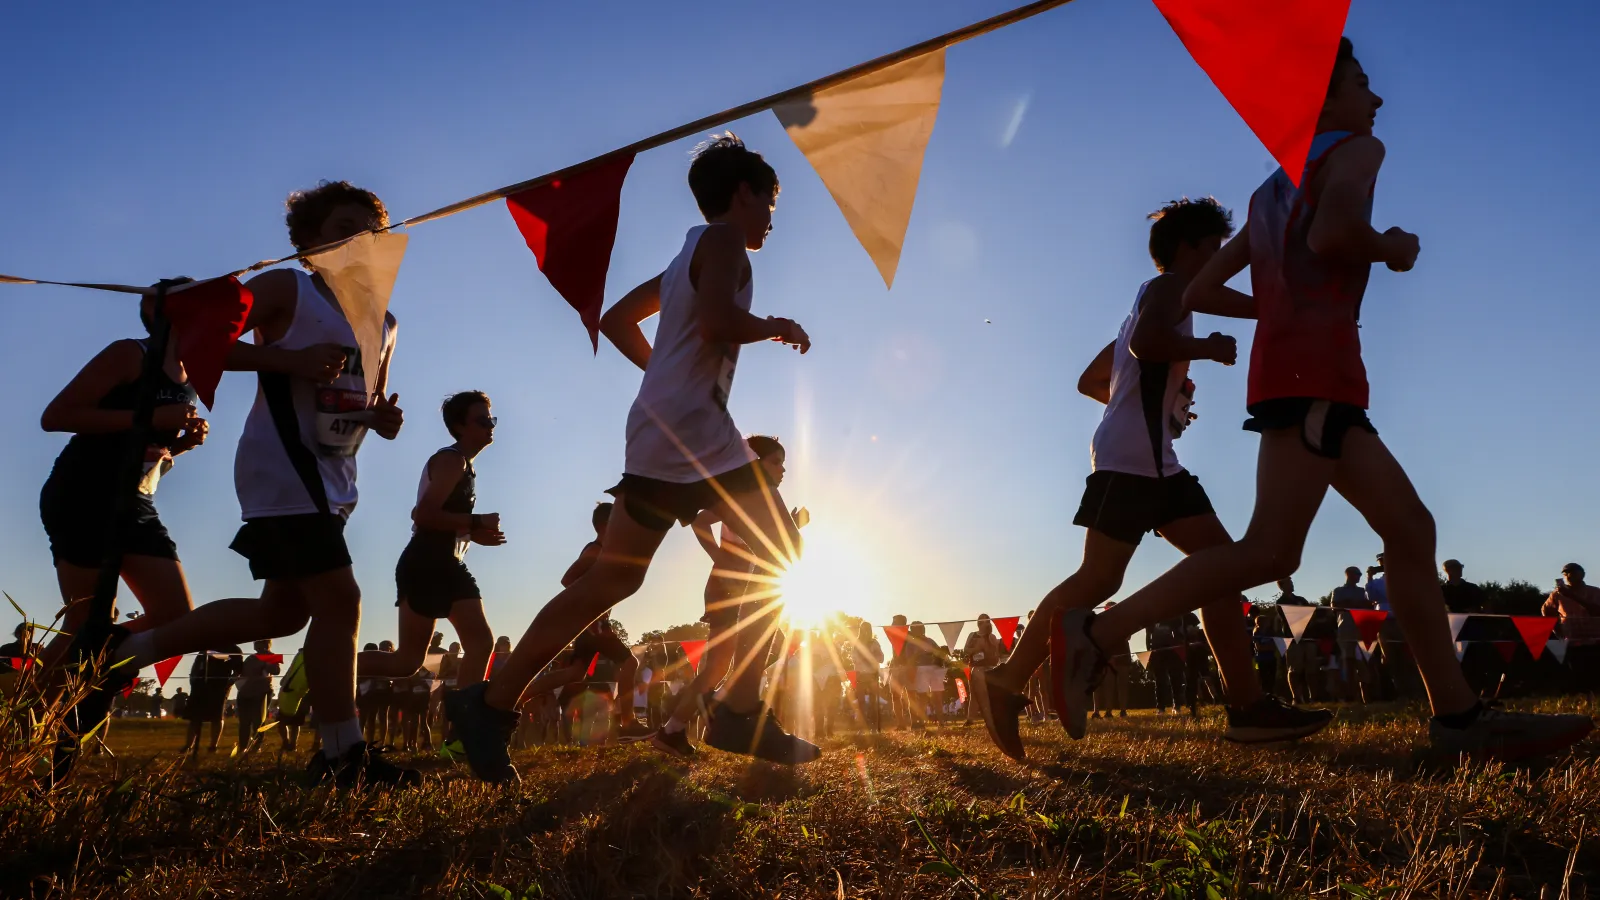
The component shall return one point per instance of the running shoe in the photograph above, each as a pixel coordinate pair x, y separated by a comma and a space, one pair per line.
484, 733
1270, 719
757, 734
359, 768
1508, 736
675, 743
1000, 709
106, 682
1085, 666
631, 729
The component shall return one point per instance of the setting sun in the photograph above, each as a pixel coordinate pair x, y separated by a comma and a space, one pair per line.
834, 575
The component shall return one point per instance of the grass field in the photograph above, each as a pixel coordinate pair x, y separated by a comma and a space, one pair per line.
1146, 807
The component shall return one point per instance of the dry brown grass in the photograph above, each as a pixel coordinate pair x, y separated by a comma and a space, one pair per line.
1147, 807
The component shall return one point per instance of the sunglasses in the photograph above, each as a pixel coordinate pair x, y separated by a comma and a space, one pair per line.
486, 421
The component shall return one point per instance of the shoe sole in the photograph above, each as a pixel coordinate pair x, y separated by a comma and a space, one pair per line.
1273, 735
980, 697
1074, 703
1545, 747
455, 711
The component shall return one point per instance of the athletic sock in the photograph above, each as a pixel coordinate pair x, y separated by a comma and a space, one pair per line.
674, 725
1460, 719
141, 649
339, 737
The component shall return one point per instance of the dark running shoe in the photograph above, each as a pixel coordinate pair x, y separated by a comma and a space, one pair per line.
359, 768
757, 734
675, 743
484, 732
631, 729
1508, 736
1085, 666
1000, 709
89, 713
1270, 719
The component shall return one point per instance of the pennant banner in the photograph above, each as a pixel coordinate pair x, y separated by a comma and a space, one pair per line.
1297, 617
866, 139
852, 676
693, 650
361, 273
897, 637
952, 634
1364, 650
1282, 643
1456, 621
1144, 658
1272, 61
571, 226
1461, 650
592, 663
1007, 629
1248, 607
1507, 649
207, 318
270, 658
1369, 621
1535, 631
164, 669
1558, 649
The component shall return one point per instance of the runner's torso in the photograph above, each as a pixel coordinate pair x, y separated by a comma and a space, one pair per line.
463, 497
679, 429
1148, 409
1307, 342
91, 461
301, 437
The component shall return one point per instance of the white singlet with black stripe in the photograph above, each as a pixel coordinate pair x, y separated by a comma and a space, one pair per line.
297, 454
1149, 408
679, 429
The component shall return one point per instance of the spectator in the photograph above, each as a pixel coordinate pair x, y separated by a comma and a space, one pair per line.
1165, 641
1301, 658
255, 689
1378, 586
1460, 595
982, 650
1266, 655
902, 677
1355, 672
1287, 596
180, 703
156, 702
1480, 662
1112, 694
1578, 605
21, 648
866, 659
927, 676
210, 679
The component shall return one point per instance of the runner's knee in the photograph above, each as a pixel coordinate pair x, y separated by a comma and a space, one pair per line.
1413, 534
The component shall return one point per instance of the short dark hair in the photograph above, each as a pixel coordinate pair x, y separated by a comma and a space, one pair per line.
307, 210
1345, 56
455, 407
601, 515
1186, 221
720, 165
1573, 568
765, 445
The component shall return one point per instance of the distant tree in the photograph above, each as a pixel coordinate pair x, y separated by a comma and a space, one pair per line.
1514, 598
691, 631
619, 631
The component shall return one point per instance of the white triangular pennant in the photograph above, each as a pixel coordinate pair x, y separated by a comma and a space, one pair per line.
1297, 617
1461, 650
866, 139
1456, 621
1364, 651
1558, 649
952, 633
1282, 644
361, 272
1144, 658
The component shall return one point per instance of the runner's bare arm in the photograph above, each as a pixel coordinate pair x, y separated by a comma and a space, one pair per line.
77, 408
1095, 382
444, 473
1155, 332
620, 324
272, 311
1341, 227
718, 272
1209, 293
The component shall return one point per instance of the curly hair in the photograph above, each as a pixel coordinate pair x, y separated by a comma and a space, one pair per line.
720, 165
307, 211
1185, 221
765, 445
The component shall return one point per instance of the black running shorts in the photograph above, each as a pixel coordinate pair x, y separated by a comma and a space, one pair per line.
431, 582
1123, 507
79, 525
658, 504
292, 546
1322, 423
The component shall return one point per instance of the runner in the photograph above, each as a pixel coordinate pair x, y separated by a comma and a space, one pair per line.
295, 475
431, 578
684, 456
79, 499
1310, 250
598, 642
735, 590
1138, 486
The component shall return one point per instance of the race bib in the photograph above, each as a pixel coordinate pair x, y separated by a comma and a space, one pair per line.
1179, 416
157, 462
342, 417
724, 386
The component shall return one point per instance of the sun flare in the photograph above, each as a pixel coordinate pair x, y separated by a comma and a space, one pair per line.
835, 575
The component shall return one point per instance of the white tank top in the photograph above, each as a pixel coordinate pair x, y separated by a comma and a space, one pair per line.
298, 451
1149, 408
679, 429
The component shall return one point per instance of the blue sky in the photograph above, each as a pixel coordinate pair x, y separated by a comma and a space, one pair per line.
942, 457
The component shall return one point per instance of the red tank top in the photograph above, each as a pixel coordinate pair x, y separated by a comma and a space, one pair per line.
1307, 342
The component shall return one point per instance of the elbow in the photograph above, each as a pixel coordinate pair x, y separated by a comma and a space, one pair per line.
1086, 387
51, 419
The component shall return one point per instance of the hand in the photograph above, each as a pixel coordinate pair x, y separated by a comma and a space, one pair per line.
1222, 348
1402, 248
195, 431
320, 363
173, 418
487, 532
387, 417
790, 332
801, 516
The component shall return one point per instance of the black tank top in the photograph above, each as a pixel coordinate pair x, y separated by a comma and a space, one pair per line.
92, 461
462, 499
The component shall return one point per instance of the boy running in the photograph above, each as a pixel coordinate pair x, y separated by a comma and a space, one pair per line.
295, 475
684, 455
1310, 250
1138, 486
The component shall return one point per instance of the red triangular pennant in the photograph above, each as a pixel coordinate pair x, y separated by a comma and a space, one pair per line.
693, 650
1325, 646
592, 663
1248, 607
1271, 59
1183, 652
1007, 627
1535, 631
571, 225
488, 667
206, 321
1508, 650
968, 671
165, 667
270, 658
897, 636
128, 691
1369, 621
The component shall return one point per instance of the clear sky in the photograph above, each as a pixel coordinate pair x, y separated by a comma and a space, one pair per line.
941, 455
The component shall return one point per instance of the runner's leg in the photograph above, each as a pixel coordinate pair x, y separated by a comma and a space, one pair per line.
1221, 617
762, 521
477, 640
407, 657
